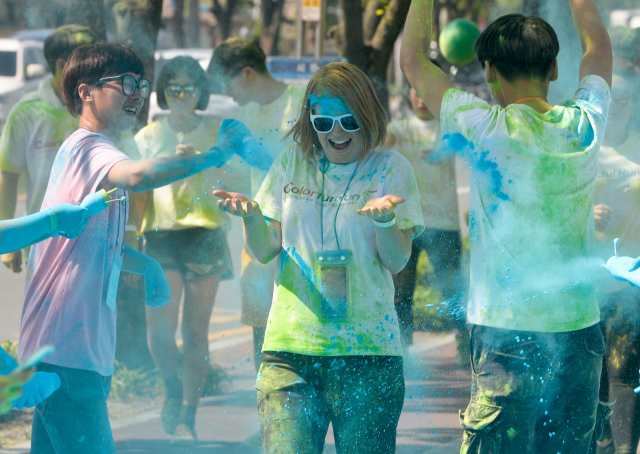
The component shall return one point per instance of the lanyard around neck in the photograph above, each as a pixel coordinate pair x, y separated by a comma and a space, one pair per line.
324, 167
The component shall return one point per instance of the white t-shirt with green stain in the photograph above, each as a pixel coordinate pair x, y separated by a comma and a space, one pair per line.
531, 207
292, 194
416, 140
36, 127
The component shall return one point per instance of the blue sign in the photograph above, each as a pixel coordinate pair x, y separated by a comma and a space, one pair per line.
293, 68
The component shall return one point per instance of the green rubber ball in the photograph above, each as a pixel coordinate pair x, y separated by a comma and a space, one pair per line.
457, 41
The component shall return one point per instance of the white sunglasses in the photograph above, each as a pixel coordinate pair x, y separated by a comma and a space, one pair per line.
324, 124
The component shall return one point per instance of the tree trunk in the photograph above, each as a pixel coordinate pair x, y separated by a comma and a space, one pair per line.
177, 23
193, 24
93, 17
224, 17
366, 36
271, 17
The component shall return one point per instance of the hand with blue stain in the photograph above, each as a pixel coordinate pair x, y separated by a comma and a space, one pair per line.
97, 202
65, 219
235, 137
157, 291
624, 268
41, 386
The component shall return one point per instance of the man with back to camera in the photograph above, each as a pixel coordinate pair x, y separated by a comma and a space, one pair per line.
268, 107
536, 343
72, 283
36, 127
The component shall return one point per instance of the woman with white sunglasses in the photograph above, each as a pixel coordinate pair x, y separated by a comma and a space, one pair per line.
339, 217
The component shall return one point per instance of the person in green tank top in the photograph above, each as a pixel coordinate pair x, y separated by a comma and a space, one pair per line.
186, 233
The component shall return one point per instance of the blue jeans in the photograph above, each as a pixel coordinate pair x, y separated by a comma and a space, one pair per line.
74, 419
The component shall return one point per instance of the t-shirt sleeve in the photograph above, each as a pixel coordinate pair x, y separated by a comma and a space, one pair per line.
13, 143
465, 114
269, 196
100, 156
592, 98
401, 181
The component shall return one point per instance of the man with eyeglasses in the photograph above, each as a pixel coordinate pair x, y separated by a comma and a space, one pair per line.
36, 127
72, 283
269, 108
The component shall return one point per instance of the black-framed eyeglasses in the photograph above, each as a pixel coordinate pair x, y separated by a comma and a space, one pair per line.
325, 123
129, 84
174, 90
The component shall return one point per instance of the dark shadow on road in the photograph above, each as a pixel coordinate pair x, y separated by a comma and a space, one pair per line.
149, 446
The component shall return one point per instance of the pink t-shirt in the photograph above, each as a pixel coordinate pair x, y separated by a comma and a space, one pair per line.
67, 280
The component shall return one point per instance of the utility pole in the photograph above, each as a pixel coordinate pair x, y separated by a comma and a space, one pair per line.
311, 11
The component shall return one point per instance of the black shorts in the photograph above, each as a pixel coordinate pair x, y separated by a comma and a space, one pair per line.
195, 253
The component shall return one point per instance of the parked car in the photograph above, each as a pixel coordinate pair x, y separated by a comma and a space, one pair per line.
22, 67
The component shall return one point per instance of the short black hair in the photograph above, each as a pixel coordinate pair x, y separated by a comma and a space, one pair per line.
91, 62
235, 54
518, 46
62, 42
193, 70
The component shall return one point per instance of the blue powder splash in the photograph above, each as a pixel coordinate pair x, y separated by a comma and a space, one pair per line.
457, 143
329, 105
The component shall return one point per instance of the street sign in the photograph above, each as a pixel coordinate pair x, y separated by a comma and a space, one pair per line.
311, 10
287, 68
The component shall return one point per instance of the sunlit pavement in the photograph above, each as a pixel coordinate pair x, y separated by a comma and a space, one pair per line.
436, 389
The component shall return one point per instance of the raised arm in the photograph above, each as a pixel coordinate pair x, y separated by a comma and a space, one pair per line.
427, 79
596, 46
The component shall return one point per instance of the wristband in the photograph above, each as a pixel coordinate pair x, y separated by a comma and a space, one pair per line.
384, 225
130, 228
53, 219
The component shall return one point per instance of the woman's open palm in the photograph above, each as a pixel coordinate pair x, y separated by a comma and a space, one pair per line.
236, 203
381, 209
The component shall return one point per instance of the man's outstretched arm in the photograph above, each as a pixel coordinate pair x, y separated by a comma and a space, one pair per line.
139, 176
427, 79
596, 46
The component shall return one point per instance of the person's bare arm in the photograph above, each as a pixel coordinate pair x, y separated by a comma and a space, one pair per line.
596, 46
427, 79
264, 241
147, 174
8, 200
